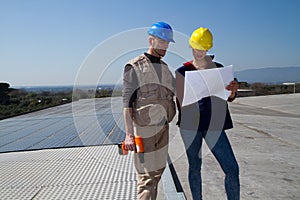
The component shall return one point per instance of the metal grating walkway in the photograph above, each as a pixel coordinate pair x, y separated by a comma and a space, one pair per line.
73, 173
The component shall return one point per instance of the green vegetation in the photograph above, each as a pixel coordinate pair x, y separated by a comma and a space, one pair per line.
14, 101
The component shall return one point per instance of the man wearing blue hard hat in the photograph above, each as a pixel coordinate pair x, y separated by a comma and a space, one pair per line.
148, 107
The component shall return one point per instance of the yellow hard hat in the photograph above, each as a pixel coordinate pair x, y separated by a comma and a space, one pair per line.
201, 39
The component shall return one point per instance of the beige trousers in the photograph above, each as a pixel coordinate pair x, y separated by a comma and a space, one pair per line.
151, 164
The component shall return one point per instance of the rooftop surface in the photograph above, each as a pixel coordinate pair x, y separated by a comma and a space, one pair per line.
266, 142
69, 152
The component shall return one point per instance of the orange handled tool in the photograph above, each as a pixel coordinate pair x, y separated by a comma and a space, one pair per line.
124, 150
139, 144
138, 140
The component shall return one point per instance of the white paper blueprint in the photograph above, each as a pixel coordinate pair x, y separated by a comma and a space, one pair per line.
203, 83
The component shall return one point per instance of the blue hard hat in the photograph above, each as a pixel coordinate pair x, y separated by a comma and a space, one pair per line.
162, 30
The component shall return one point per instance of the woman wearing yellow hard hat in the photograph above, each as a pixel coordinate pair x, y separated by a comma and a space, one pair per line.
207, 119
201, 39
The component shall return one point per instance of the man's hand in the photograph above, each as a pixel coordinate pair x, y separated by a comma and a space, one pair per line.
129, 140
129, 143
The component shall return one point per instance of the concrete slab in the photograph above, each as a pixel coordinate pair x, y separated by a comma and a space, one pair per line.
266, 143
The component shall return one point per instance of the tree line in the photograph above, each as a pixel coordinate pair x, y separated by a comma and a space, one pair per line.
259, 89
18, 101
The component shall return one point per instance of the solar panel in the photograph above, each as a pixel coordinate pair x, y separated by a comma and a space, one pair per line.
85, 122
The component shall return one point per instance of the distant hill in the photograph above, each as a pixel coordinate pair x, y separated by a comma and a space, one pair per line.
269, 75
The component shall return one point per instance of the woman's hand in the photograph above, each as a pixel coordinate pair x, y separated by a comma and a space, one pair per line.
233, 86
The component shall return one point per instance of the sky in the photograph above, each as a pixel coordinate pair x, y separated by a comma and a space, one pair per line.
70, 42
